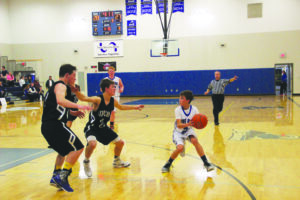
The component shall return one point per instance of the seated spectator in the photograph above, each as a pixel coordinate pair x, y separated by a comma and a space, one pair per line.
3, 74
22, 82
29, 79
37, 85
2, 90
26, 80
10, 80
32, 93
41, 93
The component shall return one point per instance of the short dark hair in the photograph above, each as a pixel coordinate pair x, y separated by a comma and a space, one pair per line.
3, 67
105, 83
66, 69
188, 95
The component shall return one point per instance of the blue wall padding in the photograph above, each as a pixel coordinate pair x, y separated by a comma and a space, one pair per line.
251, 82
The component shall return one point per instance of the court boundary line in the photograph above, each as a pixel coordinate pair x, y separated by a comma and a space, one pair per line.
292, 100
220, 168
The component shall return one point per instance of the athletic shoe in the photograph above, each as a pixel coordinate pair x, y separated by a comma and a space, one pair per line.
62, 180
118, 163
52, 182
165, 169
87, 168
209, 167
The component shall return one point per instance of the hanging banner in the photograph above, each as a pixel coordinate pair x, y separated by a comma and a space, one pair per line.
131, 7
131, 27
178, 6
146, 7
161, 6
108, 48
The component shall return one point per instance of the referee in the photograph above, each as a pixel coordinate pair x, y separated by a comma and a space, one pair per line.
217, 87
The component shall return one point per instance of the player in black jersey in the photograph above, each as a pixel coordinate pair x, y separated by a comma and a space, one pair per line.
58, 135
74, 112
97, 130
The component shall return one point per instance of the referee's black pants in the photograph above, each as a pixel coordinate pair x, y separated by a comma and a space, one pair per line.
218, 100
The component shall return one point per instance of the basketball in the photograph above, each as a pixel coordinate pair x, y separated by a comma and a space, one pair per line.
200, 121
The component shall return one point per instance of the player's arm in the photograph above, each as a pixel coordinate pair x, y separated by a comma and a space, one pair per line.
126, 107
82, 97
209, 88
60, 92
121, 86
183, 125
233, 79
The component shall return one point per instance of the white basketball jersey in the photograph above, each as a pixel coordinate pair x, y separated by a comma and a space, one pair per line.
185, 116
117, 84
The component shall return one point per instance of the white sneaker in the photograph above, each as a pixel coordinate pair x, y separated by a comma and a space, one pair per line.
118, 163
87, 168
209, 167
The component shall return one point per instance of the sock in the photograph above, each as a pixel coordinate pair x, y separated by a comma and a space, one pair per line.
204, 159
86, 160
58, 167
68, 166
169, 163
116, 157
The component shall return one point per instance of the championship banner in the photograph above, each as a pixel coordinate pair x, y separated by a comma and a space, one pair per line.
146, 7
131, 27
108, 48
161, 6
178, 6
131, 7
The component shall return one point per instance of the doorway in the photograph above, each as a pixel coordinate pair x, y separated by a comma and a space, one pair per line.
288, 68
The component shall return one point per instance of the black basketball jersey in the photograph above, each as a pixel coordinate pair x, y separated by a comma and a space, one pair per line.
99, 118
73, 99
53, 111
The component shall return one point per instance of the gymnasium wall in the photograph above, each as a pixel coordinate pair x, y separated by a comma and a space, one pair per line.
5, 47
251, 82
52, 29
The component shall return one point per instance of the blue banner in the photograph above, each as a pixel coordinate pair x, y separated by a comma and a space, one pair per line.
161, 6
131, 27
178, 6
146, 7
131, 7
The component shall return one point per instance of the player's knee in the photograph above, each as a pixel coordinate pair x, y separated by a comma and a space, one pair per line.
180, 148
194, 141
92, 144
120, 143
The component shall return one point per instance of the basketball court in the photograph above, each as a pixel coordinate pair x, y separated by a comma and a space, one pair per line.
256, 154
255, 149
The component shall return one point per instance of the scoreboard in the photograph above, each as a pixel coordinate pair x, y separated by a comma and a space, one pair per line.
107, 23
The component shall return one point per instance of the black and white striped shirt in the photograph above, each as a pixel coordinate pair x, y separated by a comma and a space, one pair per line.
218, 87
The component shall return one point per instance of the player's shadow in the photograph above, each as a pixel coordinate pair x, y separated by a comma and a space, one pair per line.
219, 151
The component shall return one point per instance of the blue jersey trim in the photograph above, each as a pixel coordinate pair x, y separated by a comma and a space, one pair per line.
189, 111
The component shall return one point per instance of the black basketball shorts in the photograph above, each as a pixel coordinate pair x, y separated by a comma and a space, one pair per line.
60, 137
104, 135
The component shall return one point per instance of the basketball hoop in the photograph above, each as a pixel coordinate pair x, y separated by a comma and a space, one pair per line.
163, 54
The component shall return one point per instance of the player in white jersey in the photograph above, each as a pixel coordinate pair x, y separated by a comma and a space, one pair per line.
183, 131
119, 89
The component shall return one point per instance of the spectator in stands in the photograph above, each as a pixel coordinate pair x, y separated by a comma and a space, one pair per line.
37, 85
10, 79
22, 82
3, 74
32, 93
49, 83
41, 93
29, 79
2, 90
26, 80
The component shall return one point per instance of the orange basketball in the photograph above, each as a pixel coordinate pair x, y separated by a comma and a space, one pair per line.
200, 121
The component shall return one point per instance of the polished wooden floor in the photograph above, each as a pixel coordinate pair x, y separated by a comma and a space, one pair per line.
256, 148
